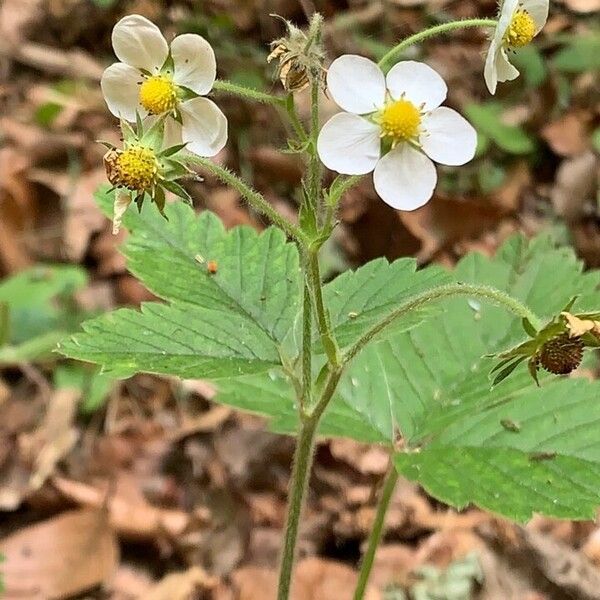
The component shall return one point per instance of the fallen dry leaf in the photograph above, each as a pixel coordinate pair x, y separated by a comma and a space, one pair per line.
568, 135
129, 512
60, 557
182, 586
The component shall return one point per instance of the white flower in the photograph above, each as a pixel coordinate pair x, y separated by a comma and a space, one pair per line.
153, 79
519, 22
395, 126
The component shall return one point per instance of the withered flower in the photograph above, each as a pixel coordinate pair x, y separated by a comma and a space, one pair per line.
557, 347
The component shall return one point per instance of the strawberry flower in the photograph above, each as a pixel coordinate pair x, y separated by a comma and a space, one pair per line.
393, 125
519, 22
155, 79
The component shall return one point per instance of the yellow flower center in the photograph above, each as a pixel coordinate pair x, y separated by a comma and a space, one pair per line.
400, 121
521, 30
158, 94
136, 168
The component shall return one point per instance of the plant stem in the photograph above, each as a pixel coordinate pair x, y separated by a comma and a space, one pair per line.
290, 107
254, 198
395, 52
227, 87
376, 532
446, 291
305, 401
327, 337
299, 481
315, 166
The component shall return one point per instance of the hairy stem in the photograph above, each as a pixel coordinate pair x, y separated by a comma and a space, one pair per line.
306, 350
482, 292
290, 107
327, 337
227, 87
315, 171
397, 50
303, 457
376, 532
254, 198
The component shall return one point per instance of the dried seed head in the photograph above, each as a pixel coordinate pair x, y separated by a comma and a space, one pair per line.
561, 355
300, 56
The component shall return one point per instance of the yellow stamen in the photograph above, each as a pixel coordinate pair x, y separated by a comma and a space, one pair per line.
521, 30
158, 94
400, 121
136, 168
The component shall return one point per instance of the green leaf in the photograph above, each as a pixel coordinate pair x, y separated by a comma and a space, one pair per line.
438, 384
532, 65
271, 395
581, 54
37, 308
177, 339
359, 299
487, 119
219, 324
93, 385
551, 465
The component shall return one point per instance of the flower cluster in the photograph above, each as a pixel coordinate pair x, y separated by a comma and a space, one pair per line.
393, 124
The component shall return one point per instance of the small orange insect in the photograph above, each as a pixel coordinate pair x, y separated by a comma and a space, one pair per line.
212, 266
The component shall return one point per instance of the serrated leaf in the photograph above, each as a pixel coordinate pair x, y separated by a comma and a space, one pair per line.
271, 395
359, 299
177, 339
551, 465
258, 274
225, 321
441, 383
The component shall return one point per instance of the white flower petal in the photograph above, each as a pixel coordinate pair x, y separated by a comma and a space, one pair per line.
120, 87
172, 133
449, 139
121, 203
507, 10
349, 144
204, 126
538, 9
405, 178
356, 84
497, 67
506, 71
139, 43
418, 82
195, 63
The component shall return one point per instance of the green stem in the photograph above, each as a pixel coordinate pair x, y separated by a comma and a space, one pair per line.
376, 532
290, 107
315, 166
227, 87
305, 400
254, 198
327, 337
446, 291
303, 457
397, 50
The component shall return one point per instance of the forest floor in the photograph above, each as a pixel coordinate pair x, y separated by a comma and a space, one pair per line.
148, 490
